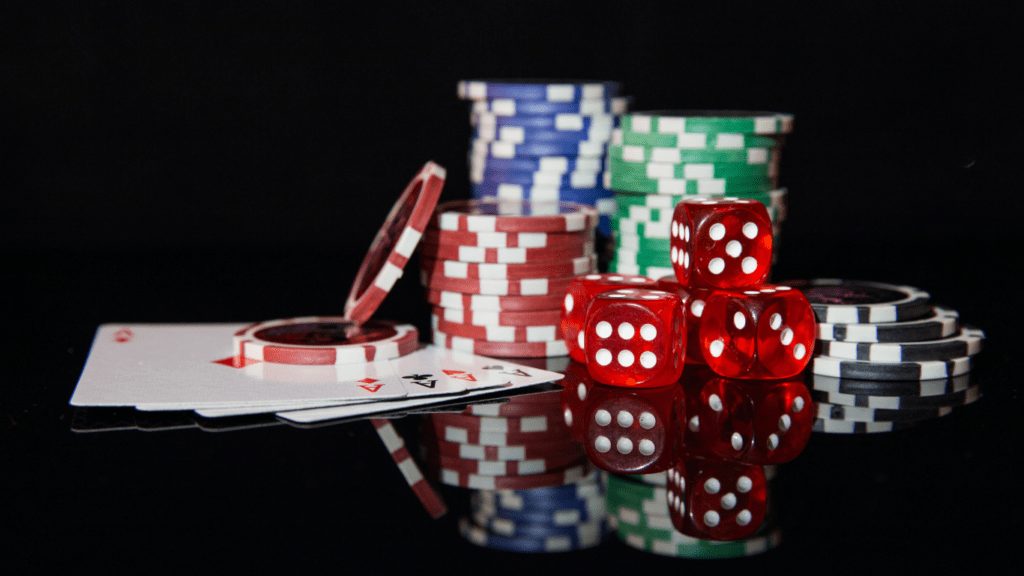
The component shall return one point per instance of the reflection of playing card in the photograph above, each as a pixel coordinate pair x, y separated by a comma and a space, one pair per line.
169, 367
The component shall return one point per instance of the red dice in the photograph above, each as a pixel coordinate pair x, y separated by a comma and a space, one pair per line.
716, 500
693, 300
723, 243
719, 416
635, 338
632, 431
578, 297
783, 419
762, 333
576, 385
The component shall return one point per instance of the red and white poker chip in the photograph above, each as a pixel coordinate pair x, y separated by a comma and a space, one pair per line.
436, 269
506, 467
503, 424
469, 434
395, 243
495, 287
511, 409
504, 239
555, 478
493, 303
530, 451
499, 333
492, 215
501, 349
483, 255
320, 340
482, 318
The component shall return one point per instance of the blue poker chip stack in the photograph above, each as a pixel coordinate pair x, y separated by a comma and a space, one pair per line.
543, 140
557, 519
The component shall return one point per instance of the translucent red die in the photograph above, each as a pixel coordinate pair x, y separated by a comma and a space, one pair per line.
576, 385
716, 500
578, 297
693, 300
783, 419
630, 430
723, 243
719, 416
761, 333
635, 338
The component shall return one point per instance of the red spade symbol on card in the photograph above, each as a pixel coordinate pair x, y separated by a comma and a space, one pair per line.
368, 385
124, 335
460, 375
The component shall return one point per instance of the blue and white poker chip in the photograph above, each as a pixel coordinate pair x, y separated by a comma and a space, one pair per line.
559, 91
547, 122
588, 106
498, 149
520, 135
547, 179
551, 543
556, 164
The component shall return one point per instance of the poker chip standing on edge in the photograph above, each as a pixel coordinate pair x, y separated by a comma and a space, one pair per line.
395, 243
860, 302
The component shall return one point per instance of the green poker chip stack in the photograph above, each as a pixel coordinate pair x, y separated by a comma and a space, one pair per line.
658, 158
639, 512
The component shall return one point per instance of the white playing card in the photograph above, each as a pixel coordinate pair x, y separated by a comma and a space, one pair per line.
187, 366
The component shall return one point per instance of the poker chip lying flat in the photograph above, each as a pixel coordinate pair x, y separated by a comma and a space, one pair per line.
940, 323
477, 302
859, 414
511, 192
501, 349
468, 430
694, 140
966, 343
503, 424
530, 451
541, 164
680, 546
707, 121
454, 269
507, 467
496, 518
708, 186
510, 409
682, 155
690, 170
498, 287
505, 255
549, 121
585, 106
899, 402
505, 239
539, 333
555, 478
518, 528
844, 427
555, 543
320, 340
859, 369
918, 388
541, 90
512, 216
523, 134
859, 302
484, 319
500, 149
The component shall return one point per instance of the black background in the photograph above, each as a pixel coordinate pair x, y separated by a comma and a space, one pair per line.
169, 162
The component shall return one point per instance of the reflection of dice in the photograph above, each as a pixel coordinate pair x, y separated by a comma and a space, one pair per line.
783, 418
716, 500
576, 386
719, 416
578, 296
693, 300
635, 338
759, 333
723, 243
632, 431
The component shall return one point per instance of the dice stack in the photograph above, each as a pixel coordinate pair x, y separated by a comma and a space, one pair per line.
495, 272
739, 405
658, 158
542, 140
534, 490
885, 357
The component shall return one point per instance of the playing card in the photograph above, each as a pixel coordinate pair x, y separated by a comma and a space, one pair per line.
182, 366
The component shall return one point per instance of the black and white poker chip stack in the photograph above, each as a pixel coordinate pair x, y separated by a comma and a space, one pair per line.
886, 358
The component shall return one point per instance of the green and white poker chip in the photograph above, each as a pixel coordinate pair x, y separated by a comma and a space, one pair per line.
694, 140
691, 170
710, 186
707, 121
757, 155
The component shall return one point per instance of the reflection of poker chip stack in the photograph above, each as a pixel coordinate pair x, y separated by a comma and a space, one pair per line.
657, 158
638, 508
496, 272
885, 358
542, 140
537, 492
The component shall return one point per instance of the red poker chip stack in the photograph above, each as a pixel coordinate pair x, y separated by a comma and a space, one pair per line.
495, 272
518, 445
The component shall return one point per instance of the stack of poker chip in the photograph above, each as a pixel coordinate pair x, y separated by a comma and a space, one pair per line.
657, 158
886, 359
496, 271
638, 509
535, 489
542, 139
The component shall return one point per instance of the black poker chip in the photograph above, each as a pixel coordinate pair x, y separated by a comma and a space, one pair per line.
965, 343
824, 411
939, 323
960, 398
864, 370
860, 302
845, 427
918, 388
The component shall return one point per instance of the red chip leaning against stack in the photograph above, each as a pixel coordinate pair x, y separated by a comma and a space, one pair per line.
496, 272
